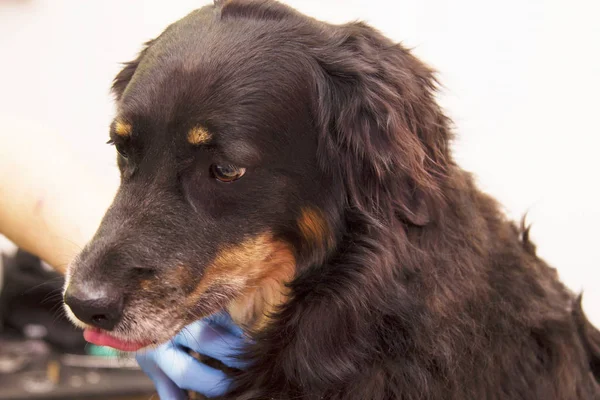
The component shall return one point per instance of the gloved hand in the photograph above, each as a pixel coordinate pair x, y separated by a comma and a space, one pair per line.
173, 370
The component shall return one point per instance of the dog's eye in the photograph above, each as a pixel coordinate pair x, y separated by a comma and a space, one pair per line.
121, 151
227, 173
119, 147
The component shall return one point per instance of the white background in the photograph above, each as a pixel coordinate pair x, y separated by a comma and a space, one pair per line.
521, 81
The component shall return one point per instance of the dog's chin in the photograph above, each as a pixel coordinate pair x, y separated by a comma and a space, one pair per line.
123, 339
133, 340
129, 341
103, 338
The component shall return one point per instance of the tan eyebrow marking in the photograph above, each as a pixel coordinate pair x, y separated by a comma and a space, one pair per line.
123, 128
198, 135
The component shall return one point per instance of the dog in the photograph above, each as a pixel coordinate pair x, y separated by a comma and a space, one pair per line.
299, 176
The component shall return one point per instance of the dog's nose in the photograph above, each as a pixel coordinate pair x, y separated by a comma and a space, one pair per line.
100, 307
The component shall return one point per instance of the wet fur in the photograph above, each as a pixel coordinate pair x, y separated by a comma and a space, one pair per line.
422, 288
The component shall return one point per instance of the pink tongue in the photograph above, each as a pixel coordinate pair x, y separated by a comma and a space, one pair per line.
101, 338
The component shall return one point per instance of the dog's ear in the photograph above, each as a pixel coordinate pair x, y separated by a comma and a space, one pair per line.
124, 76
379, 118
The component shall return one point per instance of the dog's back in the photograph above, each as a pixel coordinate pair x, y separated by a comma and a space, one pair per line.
475, 315
590, 338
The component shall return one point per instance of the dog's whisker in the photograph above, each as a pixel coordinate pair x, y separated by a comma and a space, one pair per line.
40, 285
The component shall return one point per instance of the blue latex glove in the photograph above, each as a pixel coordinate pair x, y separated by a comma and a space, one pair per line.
172, 370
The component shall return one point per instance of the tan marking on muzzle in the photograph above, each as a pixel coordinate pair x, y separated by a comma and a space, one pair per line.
146, 285
198, 136
259, 269
123, 128
182, 274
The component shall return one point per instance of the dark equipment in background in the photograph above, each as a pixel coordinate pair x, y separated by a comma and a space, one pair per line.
42, 356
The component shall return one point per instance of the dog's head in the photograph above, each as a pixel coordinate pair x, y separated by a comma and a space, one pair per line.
245, 134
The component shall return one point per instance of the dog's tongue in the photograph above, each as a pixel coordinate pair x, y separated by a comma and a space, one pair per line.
102, 338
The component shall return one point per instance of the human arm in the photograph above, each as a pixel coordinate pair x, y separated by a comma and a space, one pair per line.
50, 204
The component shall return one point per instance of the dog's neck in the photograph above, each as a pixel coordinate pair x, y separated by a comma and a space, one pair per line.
253, 309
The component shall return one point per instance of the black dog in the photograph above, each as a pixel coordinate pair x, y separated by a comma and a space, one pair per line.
298, 174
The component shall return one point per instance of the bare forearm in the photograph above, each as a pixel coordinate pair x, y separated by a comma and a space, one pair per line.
50, 205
